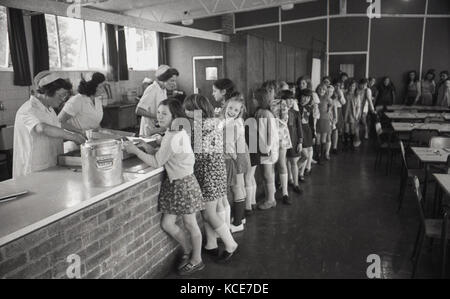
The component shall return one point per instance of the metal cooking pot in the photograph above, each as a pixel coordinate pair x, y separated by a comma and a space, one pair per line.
101, 162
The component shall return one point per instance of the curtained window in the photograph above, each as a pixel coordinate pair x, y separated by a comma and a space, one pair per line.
18, 48
117, 53
41, 54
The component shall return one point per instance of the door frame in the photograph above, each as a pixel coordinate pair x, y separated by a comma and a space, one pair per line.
366, 53
194, 59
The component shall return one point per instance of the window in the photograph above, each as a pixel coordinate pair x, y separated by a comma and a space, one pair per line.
75, 44
142, 49
5, 58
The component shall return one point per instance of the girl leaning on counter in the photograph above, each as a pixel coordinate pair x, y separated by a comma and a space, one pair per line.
38, 135
180, 192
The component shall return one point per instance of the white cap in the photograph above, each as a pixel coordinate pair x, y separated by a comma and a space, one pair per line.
147, 80
45, 78
161, 70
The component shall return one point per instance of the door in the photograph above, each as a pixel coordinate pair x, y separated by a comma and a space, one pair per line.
353, 65
207, 69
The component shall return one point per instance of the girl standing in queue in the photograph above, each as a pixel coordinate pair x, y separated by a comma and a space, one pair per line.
237, 158
308, 111
293, 154
222, 91
323, 137
339, 102
352, 115
209, 169
365, 96
412, 88
280, 110
303, 83
268, 145
180, 193
428, 89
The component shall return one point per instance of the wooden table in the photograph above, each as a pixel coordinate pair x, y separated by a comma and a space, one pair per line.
397, 116
401, 127
417, 107
429, 156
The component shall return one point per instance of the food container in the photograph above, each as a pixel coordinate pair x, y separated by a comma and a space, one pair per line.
101, 162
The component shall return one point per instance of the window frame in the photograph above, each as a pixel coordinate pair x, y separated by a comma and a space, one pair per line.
8, 50
81, 69
142, 37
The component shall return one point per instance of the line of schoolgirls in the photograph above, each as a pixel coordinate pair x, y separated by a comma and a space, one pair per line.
211, 162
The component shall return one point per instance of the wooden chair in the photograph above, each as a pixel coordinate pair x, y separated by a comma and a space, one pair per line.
430, 228
420, 137
405, 175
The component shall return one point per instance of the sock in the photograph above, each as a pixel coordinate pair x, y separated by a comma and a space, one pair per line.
227, 238
284, 183
239, 212
248, 199
270, 195
253, 198
228, 215
211, 237
327, 148
222, 215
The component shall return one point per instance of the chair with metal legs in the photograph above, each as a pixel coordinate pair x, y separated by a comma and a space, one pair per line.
429, 228
405, 175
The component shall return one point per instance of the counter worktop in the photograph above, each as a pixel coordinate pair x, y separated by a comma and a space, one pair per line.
53, 194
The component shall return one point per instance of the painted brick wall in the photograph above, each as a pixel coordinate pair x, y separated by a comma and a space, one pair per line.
119, 237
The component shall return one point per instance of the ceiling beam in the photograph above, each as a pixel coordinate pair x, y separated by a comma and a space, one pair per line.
210, 13
62, 9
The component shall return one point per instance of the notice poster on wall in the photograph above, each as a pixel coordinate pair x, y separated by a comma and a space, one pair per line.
211, 74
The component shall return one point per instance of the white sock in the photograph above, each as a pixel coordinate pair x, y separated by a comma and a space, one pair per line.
228, 215
222, 215
227, 238
253, 197
211, 237
270, 189
248, 199
284, 184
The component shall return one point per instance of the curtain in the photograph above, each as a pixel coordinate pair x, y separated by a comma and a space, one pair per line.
122, 53
18, 48
41, 54
111, 41
162, 49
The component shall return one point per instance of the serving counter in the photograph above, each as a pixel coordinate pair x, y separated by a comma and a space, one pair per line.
114, 231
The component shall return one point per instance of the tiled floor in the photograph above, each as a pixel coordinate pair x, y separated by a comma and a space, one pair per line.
347, 212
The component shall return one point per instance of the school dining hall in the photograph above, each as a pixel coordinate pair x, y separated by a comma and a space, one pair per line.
224, 139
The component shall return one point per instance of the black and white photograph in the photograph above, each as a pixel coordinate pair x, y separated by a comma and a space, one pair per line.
224, 146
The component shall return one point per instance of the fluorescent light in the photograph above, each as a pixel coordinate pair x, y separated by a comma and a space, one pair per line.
187, 22
287, 6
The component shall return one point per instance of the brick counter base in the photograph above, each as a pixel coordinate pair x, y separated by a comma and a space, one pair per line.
119, 237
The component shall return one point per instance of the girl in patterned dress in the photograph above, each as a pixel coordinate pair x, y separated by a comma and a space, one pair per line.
237, 158
180, 193
280, 110
222, 91
209, 169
